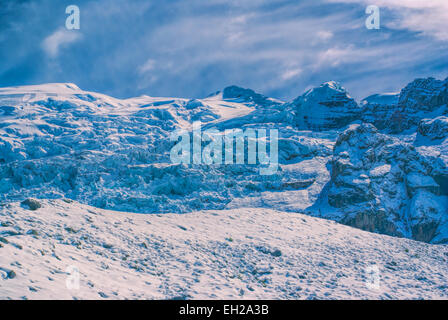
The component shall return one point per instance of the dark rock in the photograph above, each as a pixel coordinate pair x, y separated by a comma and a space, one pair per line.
434, 128
32, 204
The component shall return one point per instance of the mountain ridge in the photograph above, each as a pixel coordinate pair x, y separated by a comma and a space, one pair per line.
114, 153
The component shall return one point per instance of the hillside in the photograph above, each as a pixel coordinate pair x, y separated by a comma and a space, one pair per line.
244, 253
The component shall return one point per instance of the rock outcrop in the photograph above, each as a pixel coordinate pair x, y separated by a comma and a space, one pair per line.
395, 113
379, 109
382, 184
434, 129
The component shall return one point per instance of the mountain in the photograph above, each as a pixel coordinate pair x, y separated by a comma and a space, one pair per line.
58, 141
324, 108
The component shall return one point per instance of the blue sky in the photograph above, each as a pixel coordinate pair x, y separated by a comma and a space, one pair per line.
191, 48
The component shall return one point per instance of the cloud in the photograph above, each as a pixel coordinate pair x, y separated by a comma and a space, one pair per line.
59, 39
325, 35
190, 48
147, 66
429, 17
291, 73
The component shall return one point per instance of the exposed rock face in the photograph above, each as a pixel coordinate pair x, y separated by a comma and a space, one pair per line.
379, 109
324, 108
432, 136
424, 95
420, 99
384, 185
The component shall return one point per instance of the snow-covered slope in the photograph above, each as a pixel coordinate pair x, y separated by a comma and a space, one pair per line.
231, 254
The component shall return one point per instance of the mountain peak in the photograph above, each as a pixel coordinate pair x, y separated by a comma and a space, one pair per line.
234, 92
248, 95
333, 85
326, 91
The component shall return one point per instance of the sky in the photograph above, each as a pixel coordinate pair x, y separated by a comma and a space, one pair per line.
192, 48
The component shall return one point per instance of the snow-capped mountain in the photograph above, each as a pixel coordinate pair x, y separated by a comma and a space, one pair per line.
326, 107
58, 141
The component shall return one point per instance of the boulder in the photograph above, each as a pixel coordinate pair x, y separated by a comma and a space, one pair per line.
434, 129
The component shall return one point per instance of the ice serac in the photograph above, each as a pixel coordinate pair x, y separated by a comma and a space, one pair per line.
326, 107
385, 185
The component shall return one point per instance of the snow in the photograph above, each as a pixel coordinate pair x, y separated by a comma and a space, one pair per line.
114, 153
380, 171
242, 235
382, 99
244, 253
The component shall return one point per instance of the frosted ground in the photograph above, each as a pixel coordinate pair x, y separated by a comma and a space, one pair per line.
219, 254
196, 231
